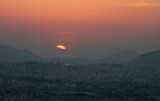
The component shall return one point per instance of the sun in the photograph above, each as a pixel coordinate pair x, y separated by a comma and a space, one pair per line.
61, 47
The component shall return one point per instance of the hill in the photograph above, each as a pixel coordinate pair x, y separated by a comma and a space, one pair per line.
148, 58
120, 57
9, 54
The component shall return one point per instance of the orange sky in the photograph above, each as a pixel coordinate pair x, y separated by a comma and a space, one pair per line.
77, 22
79, 10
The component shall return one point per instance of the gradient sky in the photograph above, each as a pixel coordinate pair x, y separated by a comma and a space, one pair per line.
88, 28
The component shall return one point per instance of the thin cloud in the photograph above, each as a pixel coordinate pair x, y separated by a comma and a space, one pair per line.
144, 4
65, 32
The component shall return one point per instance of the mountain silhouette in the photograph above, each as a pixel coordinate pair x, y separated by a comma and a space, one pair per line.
9, 54
121, 57
118, 58
148, 58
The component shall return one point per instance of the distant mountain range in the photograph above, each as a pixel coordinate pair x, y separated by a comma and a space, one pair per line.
120, 57
9, 54
148, 58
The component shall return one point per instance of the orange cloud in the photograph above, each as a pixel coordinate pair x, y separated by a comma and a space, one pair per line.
143, 4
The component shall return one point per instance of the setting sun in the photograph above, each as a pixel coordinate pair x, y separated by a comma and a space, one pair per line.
61, 47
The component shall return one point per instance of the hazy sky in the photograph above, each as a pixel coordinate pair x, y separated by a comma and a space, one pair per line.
88, 28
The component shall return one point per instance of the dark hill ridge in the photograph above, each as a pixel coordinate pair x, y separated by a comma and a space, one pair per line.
9, 54
121, 57
148, 58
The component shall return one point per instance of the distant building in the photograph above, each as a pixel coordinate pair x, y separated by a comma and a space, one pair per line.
1, 98
15, 98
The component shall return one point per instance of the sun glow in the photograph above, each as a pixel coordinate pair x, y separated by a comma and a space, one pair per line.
61, 47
